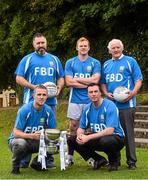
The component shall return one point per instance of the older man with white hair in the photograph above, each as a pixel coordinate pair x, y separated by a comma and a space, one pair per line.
122, 70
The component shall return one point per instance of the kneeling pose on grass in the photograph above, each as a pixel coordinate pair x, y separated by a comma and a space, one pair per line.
106, 134
31, 119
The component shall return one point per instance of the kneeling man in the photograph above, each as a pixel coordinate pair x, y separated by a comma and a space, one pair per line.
31, 118
106, 135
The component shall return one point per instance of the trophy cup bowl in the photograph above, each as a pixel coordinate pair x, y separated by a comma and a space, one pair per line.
52, 136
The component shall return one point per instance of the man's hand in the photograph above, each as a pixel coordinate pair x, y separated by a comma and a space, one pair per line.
82, 139
35, 135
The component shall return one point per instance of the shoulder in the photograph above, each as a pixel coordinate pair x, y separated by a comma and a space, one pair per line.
87, 107
47, 108
107, 62
71, 59
26, 108
94, 59
52, 56
28, 56
129, 58
108, 103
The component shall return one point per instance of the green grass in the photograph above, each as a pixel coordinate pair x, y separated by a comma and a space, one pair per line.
80, 170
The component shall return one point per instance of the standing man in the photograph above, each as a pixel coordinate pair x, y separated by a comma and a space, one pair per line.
31, 118
106, 133
80, 71
124, 71
36, 68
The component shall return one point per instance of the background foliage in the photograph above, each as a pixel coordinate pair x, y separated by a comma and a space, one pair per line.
63, 22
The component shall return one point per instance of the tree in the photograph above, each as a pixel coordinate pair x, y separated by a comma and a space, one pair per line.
63, 22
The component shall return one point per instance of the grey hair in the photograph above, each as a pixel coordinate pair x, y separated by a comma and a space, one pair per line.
114, 41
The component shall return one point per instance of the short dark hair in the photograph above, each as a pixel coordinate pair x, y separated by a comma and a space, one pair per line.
93, 84
38, 35
41, 86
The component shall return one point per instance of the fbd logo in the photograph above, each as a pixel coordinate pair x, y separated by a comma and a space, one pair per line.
42, 121
89, 68
121, 68
51, 63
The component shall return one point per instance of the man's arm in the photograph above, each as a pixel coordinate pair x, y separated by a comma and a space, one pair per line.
20, 134
106, 93
72, 82
93, 79
23, 82
85, 138
60, 84
134, 92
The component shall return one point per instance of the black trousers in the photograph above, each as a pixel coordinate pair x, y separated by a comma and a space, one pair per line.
111, 145
20, 148
127, 122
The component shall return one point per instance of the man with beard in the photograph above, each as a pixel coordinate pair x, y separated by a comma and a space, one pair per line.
36, 68
31, 118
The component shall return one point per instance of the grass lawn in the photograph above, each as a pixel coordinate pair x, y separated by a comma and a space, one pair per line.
80, 170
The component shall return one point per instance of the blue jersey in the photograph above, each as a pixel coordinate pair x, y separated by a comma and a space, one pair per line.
38, 69
104, 116
29, 120
85, 69
122, 72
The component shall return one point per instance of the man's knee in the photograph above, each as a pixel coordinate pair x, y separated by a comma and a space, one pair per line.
73, 126
18, 145
71, 140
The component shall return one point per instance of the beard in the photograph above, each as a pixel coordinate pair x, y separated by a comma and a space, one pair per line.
41, 50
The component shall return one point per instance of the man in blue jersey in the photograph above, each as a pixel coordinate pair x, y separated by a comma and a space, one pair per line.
31, 118
36, 68
123, 70
80, 71
101, 115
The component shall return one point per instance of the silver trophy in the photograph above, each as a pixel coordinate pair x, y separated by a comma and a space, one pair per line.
52, 140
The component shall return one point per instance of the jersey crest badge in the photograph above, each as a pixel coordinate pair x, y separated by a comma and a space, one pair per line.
89, 68
102, 117
51, 63
121, 68
42, 121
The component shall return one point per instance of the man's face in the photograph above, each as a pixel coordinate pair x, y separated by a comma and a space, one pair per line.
83, 48
40, 45
116, 50
40, 96
94, 93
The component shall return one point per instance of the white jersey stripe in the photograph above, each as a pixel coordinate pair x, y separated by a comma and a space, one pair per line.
56, 63
70, 95
27, 63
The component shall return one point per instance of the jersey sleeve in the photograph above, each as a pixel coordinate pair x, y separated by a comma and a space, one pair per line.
136, 71
51, 121
68, 68
97, 67
23, 66
84, 118
60, 71
112, 115
21, 119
